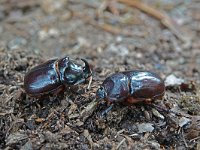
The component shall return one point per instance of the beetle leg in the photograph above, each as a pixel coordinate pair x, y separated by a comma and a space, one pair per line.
31, 103
160, 108
131, 100
83, 80
80, 81
148, 101
107, 110
164, 109
60, 89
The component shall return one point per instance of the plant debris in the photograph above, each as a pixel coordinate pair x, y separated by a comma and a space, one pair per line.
112, 37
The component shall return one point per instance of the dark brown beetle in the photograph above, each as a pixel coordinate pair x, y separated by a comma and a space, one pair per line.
131, 87
54, 75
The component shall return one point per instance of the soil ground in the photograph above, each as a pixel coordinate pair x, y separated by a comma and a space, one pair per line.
112, 37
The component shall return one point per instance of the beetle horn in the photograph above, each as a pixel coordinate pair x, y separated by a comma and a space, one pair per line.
86, 67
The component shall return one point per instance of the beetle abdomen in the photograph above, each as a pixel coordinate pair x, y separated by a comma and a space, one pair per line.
145, 85
41, 79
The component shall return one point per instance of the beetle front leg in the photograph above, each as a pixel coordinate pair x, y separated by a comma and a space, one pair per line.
107, 110
80, 81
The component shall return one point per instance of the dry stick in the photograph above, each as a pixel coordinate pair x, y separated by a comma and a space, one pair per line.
111, 28
120, 143
164, 19
89, 84
196, 138
104, 26
87, 112
171, 111
183, 137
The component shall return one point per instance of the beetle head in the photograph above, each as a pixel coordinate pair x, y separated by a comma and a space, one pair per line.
100, 94
76, 74
86, 69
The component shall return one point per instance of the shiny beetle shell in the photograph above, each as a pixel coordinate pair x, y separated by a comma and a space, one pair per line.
54, 75
131, 87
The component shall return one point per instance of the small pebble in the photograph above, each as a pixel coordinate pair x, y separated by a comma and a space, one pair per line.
172, 80
16, 43
145, 127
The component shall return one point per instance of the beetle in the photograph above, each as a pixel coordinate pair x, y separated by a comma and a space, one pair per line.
54, 75
131, 87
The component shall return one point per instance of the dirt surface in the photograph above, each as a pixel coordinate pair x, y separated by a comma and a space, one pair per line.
113, 37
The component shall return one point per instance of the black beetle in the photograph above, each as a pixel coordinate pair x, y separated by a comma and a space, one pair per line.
131, 87
54, 75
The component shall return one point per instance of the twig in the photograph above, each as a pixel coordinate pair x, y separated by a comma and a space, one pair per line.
106, 27
14, 122
164, 19
122, 141
129, 140
196, 138
87, 112
119, 132
89, 84
110, 4
186, 145
47, 119
110, 28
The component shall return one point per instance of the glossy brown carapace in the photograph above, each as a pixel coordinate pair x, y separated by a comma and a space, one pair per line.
53, 76
131, 87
